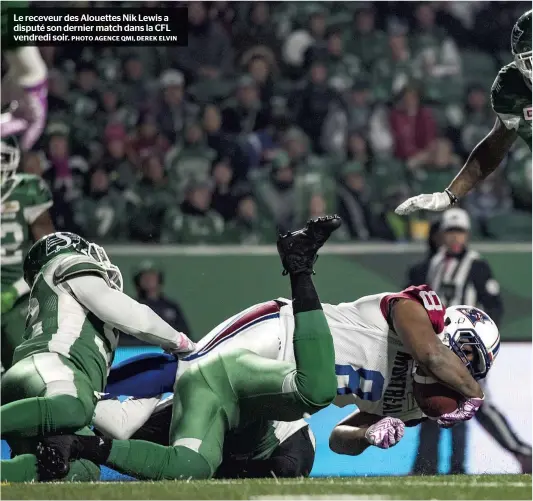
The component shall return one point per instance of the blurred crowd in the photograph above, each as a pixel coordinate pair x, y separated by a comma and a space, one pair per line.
280, 111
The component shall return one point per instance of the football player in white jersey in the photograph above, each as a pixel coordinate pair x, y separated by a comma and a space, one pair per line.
377, 340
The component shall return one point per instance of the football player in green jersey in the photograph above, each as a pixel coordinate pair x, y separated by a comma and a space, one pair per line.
25, 218
75, 312
232, 388
511, 101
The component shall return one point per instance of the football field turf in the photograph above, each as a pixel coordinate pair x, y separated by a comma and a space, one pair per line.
443, 487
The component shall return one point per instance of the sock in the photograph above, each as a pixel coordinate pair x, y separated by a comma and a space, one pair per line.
37, 416
83, 470
146, 460
19, 469
305, 297
95, 449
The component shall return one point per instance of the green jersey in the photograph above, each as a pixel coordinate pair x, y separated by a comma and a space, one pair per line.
24, 198
58, 323
511, 100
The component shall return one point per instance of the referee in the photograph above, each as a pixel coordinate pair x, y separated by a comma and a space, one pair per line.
460, 275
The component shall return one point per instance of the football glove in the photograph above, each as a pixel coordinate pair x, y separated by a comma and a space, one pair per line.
9, 298
464, 412
433, 202
385, 433
183, 349
31, 121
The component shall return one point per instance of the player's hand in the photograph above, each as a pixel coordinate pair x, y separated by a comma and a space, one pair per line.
9, 298
385, 433
28, 117
434, 202
464, 412
183, 347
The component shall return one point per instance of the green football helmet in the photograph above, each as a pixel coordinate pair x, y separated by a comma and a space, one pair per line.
54, 244
521, 44
9, 158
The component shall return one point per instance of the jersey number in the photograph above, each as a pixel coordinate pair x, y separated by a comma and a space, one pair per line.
366, 384
431, 300
12, 239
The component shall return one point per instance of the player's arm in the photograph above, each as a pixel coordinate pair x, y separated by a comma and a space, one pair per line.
42, 226
125, 314
484, 159
27, 71
120, 420
413, 326
354, 434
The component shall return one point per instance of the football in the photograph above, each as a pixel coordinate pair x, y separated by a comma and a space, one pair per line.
433, 397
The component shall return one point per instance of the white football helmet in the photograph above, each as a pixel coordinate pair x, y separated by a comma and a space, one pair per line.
467, 326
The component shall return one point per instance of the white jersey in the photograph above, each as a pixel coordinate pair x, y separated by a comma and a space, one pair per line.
374, 370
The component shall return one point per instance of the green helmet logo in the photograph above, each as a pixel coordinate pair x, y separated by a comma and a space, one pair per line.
521, 44
60, 241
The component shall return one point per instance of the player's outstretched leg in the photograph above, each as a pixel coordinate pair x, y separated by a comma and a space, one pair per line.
313, 345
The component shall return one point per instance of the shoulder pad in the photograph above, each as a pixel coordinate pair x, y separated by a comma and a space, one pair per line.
507, 86
72, 265
422, 294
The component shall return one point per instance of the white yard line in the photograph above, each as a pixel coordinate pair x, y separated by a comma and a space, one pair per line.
467, 482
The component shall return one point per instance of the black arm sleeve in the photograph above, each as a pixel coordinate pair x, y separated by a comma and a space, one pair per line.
488, 290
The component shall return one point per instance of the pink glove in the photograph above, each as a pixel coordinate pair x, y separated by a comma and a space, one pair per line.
466, 411
385, 433
33, 122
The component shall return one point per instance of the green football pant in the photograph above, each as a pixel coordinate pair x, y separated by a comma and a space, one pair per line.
42, 395
13, 324
218, 394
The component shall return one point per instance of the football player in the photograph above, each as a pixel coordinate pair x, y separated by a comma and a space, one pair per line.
259, 449
376, 341
511, 101
76, 310
27, 74
26, 200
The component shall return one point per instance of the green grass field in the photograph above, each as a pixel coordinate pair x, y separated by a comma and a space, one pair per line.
443, 487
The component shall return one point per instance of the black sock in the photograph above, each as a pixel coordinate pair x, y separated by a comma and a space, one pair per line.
304, 295
95, 449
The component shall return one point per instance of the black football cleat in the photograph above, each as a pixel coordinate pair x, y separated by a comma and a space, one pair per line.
298, 249
53, 455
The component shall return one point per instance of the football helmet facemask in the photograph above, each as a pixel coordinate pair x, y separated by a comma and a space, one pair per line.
9, 158
473, 336
521, 44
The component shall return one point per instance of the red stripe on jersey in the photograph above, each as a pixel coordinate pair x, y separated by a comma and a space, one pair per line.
424, 295
249, 317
